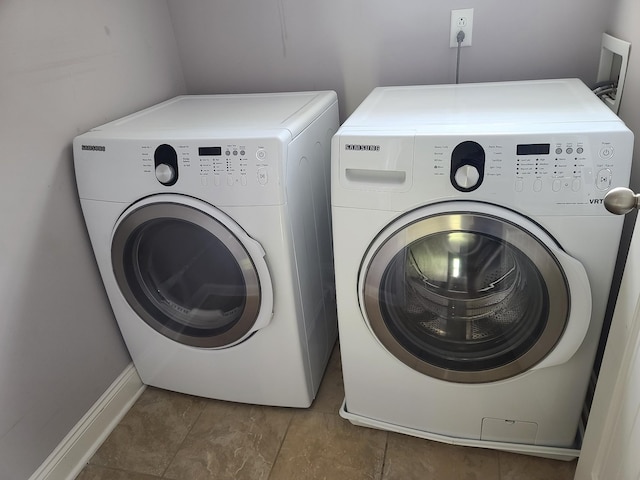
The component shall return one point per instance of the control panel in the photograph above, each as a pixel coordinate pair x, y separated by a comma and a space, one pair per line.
564, 166
565, 173
546, 170
228, 164
229, 169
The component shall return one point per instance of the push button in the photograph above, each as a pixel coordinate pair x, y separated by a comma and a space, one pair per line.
576, 185
519, 185
262, 176
603, 179
606, 152
537, 185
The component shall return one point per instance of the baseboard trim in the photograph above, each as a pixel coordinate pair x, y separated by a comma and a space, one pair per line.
73, 452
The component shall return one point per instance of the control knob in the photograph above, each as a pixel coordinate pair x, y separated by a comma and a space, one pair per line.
467, 176
165, 174
467, 166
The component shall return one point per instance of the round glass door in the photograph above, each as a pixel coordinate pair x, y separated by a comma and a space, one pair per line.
465, 297
186, 274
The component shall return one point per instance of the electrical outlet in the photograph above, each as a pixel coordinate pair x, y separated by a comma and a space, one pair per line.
461, 20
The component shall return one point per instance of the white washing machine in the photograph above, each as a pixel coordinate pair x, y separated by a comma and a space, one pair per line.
209, 217
474, 259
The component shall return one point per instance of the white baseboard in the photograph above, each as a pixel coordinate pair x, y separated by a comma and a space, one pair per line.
73, 452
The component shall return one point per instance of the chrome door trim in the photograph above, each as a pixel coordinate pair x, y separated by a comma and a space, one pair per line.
177, 211
376, 262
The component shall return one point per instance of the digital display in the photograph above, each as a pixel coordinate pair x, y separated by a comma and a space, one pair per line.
207, 151
534, 149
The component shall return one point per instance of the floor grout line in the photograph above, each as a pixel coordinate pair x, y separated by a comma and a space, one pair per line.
275, 459
384, 456
180, 445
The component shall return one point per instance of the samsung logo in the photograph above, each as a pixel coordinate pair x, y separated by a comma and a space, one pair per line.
94, 148
362, 148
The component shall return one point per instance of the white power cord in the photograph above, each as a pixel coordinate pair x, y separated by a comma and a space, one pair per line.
459, 39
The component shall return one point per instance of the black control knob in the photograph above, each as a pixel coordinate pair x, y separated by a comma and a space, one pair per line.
467, 166
166, 164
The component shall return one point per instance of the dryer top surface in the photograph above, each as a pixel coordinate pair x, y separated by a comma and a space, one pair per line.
217, 114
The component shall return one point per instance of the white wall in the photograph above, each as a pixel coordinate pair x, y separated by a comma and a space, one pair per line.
66, 66
624, 25
352, 46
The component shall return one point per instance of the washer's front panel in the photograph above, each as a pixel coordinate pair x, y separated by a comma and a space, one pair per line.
565, 173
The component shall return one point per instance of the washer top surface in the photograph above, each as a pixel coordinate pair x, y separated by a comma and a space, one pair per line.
540, 101
214, 114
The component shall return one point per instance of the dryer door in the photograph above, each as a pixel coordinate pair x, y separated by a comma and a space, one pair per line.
190, 272
472, 293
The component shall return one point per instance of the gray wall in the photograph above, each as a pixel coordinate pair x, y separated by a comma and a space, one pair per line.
67, 66
352, 46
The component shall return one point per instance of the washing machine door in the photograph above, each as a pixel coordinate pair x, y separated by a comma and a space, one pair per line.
472, 293
191, 272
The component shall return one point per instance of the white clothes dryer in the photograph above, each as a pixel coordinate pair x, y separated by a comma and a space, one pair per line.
209, 217
474, 259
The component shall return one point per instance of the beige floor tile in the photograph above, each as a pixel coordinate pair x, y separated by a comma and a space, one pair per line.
94, 472
151, 432
231, 441
173, 436
410, 458
331, 392
325, 446
525, 467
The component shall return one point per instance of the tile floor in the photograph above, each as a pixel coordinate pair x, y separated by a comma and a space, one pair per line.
173, 436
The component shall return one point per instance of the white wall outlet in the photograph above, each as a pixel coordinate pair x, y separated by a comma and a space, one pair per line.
461, 20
